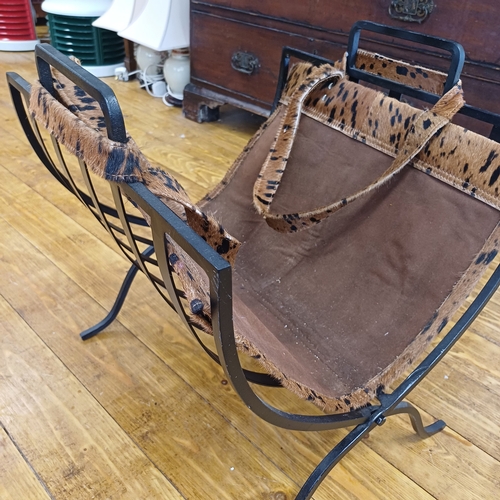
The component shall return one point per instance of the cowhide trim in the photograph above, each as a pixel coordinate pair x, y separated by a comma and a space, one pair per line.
75, 123
166, 187
301, 72
457, 156
79, 102
112, 160
195, 284
399, 71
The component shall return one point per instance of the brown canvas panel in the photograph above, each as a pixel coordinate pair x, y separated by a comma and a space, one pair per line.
334, 305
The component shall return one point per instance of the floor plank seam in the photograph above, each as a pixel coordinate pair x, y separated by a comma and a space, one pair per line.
91, 395
26, 460
485, 337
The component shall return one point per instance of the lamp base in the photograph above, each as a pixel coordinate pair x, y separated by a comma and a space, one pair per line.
103, 71
173, 101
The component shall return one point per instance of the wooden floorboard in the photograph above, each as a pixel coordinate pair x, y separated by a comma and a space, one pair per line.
17, 478
139, 412
64, 434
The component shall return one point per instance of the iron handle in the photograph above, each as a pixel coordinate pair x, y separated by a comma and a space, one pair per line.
454, 48
47, 56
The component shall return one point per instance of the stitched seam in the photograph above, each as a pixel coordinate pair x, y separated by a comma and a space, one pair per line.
380, 145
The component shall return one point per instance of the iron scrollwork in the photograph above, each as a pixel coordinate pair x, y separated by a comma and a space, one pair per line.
245, 62
413, 11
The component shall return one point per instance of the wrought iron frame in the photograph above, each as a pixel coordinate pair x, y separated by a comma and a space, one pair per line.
117, 221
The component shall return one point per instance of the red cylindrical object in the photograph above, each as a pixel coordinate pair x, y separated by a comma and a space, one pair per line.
16, 25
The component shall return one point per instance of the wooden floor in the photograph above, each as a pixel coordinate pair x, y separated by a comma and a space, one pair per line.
139, 412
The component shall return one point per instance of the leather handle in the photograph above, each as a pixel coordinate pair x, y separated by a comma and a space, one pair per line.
269, 179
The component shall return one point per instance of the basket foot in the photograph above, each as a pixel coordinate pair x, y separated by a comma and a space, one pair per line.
120, 298
416, 420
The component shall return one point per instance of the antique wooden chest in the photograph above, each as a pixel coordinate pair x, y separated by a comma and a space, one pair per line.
236, 44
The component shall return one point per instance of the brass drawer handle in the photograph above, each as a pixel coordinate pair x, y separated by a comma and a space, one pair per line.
413, 11
245, 62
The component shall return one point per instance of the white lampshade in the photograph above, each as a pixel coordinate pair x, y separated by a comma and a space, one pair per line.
162, 25
120, 14
80, 8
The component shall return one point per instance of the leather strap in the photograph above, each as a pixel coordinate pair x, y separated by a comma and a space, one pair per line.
423, 129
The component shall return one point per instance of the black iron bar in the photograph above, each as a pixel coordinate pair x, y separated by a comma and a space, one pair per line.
120, 298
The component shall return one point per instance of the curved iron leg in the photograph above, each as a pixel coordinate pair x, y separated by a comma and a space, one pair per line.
332, 459
90, 332
416, 420
353, 438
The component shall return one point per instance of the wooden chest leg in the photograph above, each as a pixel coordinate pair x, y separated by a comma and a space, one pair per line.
199, 107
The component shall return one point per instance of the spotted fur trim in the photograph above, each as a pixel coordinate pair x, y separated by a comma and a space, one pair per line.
76, 121
402, 72
114, 161
414, 76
